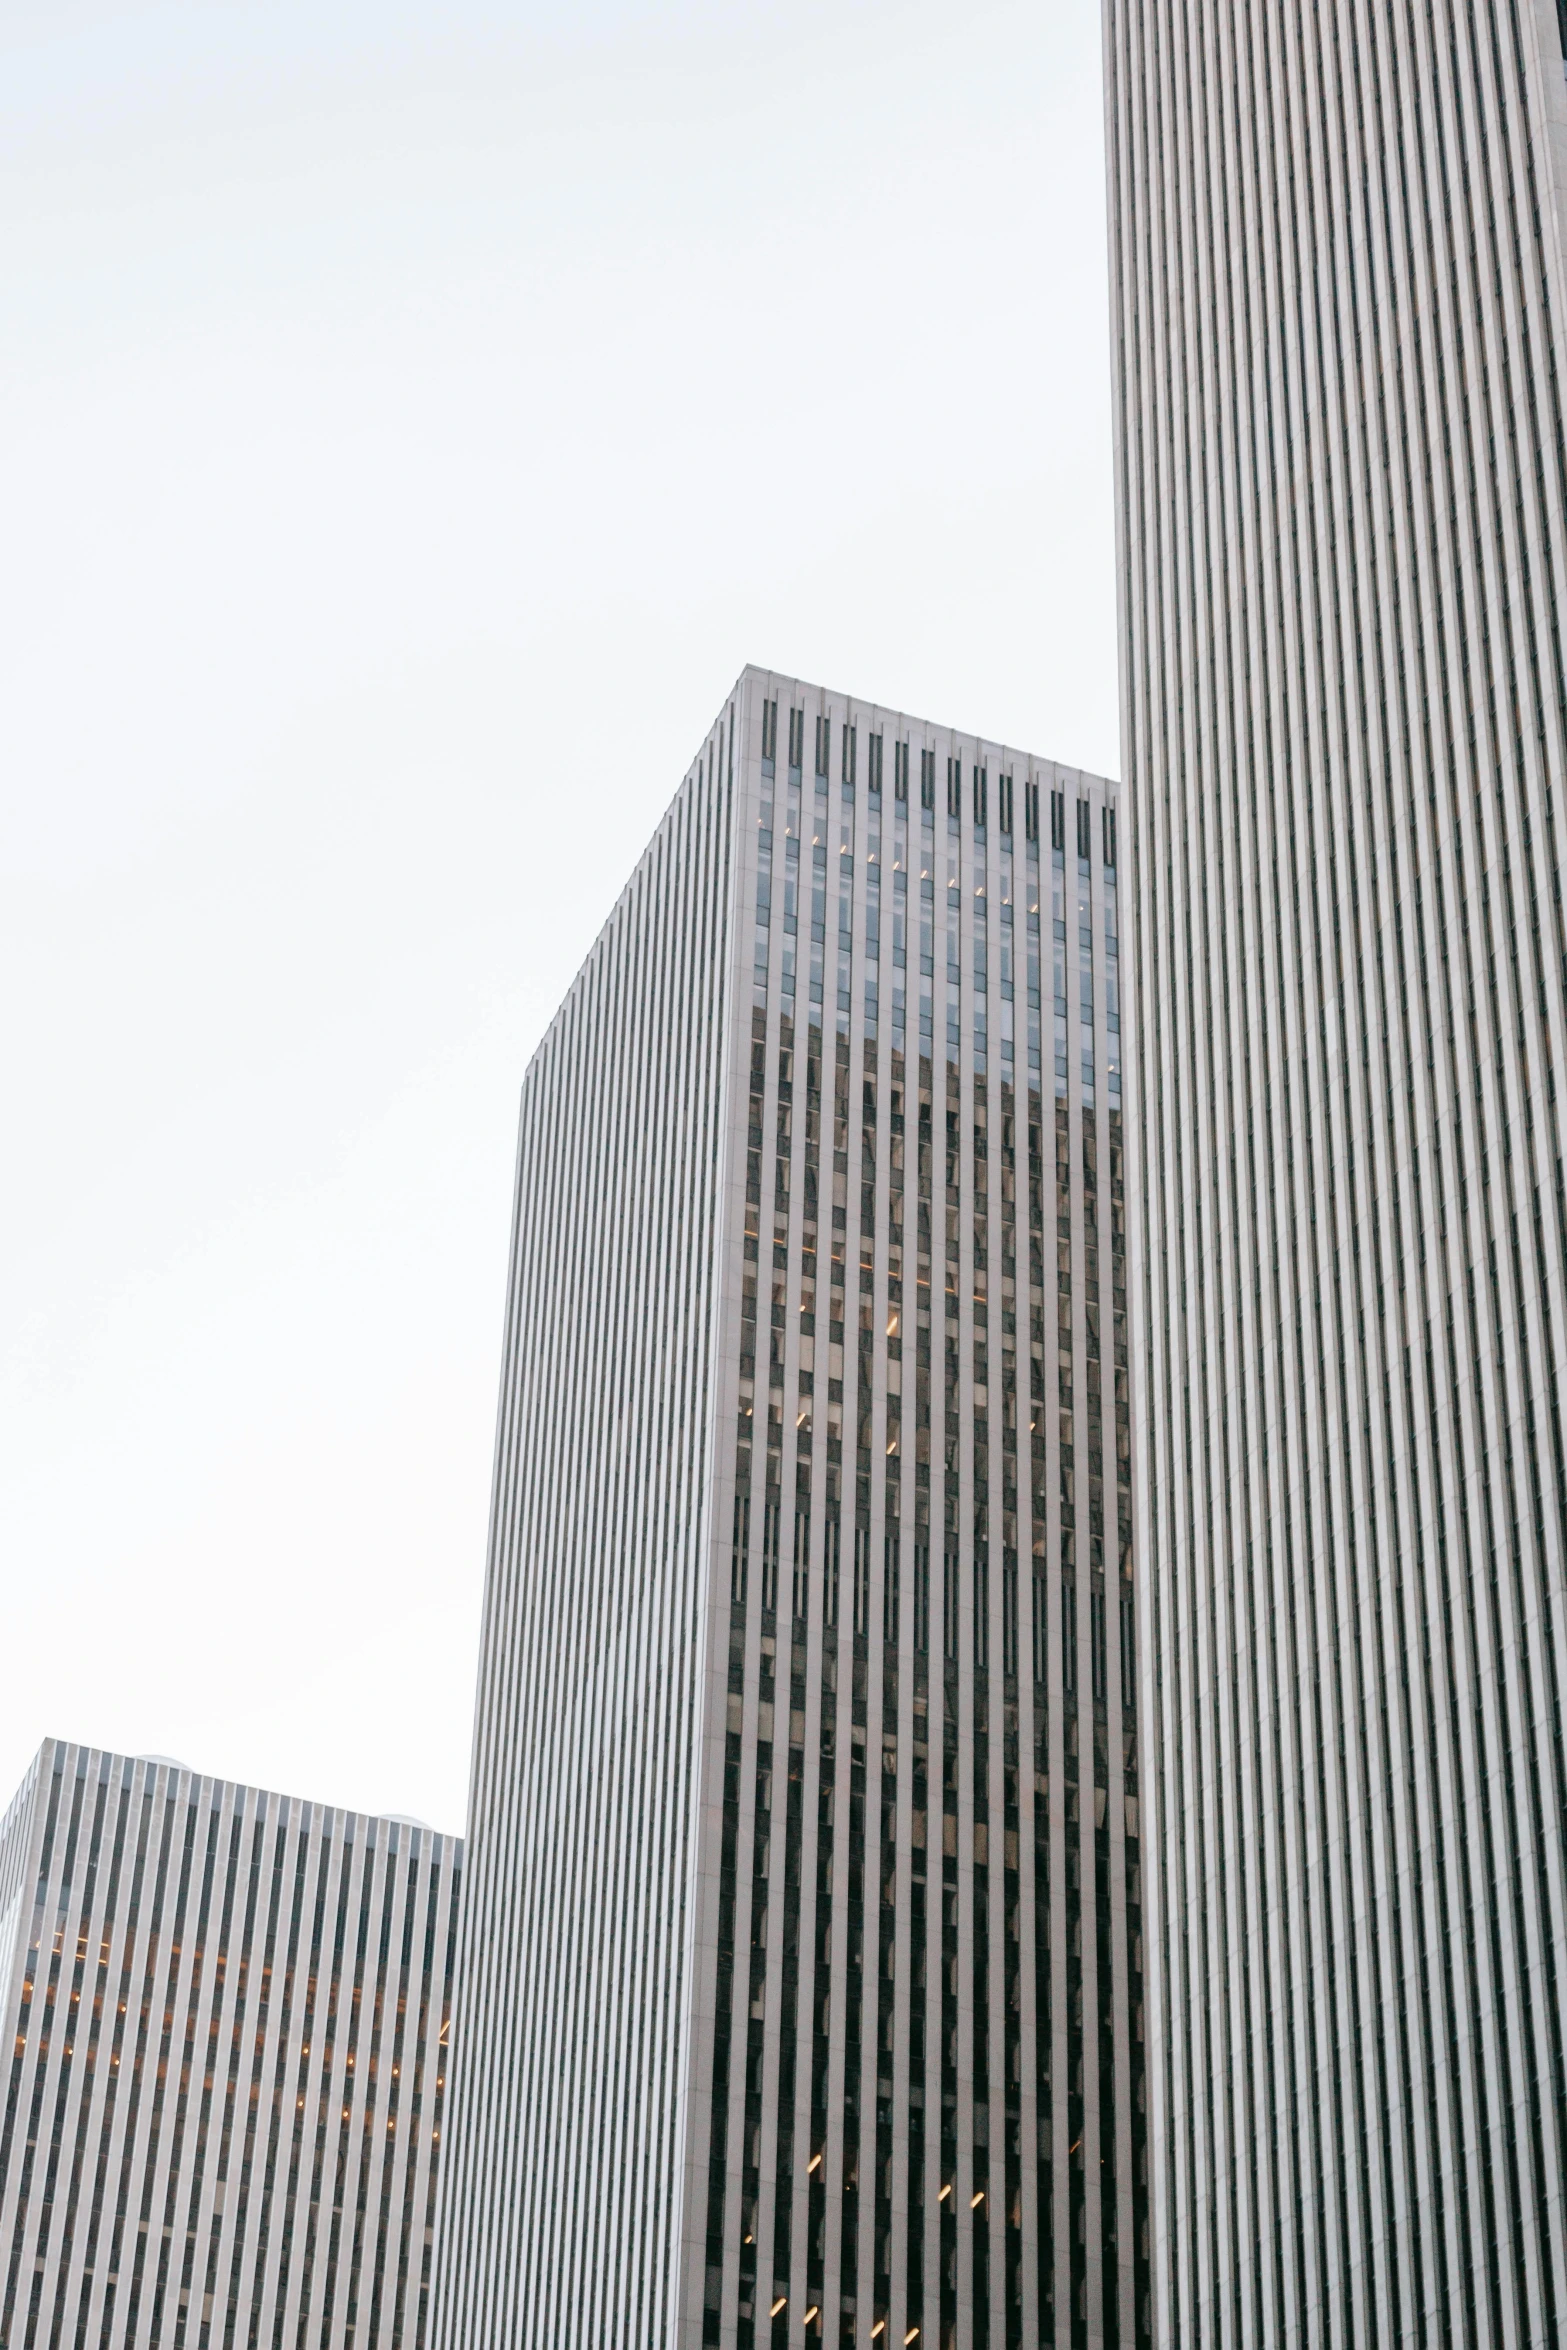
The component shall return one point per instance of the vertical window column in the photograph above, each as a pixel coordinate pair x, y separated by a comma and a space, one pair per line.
952, 1568
1042, 1404
1077, 1990
1010, 2216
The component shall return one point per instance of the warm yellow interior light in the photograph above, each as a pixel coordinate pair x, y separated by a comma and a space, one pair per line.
976, 2200
782, 2302
946, 2189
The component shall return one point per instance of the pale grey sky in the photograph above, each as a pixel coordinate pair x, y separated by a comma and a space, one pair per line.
413, 417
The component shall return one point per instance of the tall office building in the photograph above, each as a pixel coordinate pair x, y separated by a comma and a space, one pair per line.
225, 2017
799, 1989
1339, 307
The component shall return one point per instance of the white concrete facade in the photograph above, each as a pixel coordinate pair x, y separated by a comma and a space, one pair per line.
1338, 312
224, 2020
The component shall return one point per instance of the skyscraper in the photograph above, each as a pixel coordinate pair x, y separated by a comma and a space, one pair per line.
225, 2016
799, 1995
1338, 319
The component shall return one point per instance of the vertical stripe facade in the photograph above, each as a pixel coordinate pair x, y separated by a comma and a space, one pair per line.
563, 2205
1338, 303
225, 2055
800, 1996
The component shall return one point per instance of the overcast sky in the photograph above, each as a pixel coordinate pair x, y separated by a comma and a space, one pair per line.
413, 418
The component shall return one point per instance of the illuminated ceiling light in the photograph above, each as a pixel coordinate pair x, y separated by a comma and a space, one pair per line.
782, 2302
946, 2190
976, 2200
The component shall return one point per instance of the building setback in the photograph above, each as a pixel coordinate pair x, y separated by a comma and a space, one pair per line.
1338, 320
225, 2017
799, 1995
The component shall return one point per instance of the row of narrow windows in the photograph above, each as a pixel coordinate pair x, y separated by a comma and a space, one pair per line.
981, 798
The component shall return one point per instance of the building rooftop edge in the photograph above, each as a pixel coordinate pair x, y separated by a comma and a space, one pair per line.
152, 1764
759, 673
